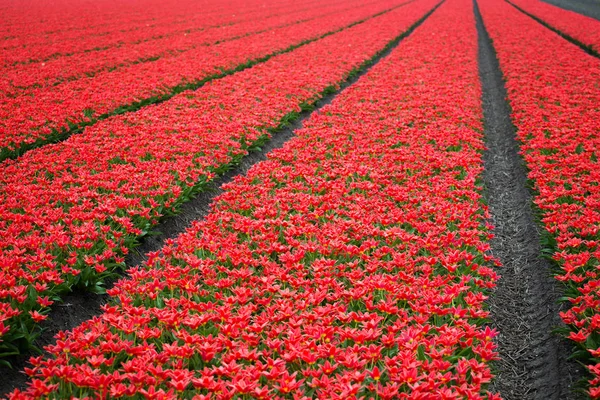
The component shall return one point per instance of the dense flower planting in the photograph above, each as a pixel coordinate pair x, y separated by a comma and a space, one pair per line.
51, 72
351, 264
553, 89
64, 28
583, 29
70, 211
41, 113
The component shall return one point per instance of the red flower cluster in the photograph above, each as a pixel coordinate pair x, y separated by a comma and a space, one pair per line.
350, 264
149, 47
70, 211
64, 28
584, 29
39, 114
553, 90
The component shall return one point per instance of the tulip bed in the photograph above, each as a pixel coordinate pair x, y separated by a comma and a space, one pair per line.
351, 264
69, 212
66, 28
582, 29
553, 90
68, 68
41, 115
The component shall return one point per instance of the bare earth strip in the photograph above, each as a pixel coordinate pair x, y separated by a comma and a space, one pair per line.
533, 361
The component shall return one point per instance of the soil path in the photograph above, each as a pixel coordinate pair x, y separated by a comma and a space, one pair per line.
533, 361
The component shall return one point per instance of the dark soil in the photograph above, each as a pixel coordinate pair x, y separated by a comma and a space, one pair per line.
524, 307
590, 8
81, 306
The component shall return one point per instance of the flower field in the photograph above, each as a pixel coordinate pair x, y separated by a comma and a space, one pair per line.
41, 113
87, 199
78, 64
356, 261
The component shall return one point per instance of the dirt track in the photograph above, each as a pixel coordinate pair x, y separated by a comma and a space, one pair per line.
524, 306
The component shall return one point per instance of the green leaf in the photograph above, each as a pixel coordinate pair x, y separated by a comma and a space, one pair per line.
421, 353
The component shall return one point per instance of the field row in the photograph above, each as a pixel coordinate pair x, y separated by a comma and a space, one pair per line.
584, 30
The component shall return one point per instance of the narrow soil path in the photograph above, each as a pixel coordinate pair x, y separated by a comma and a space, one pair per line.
533, 361
78, 307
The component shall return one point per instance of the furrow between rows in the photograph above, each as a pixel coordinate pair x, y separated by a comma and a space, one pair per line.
524, 306
552, 91
589, 8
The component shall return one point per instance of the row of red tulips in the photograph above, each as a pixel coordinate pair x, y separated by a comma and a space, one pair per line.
40, 115
553, 91
63, 29
18, 77
350, 264
70, 211
583, 29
